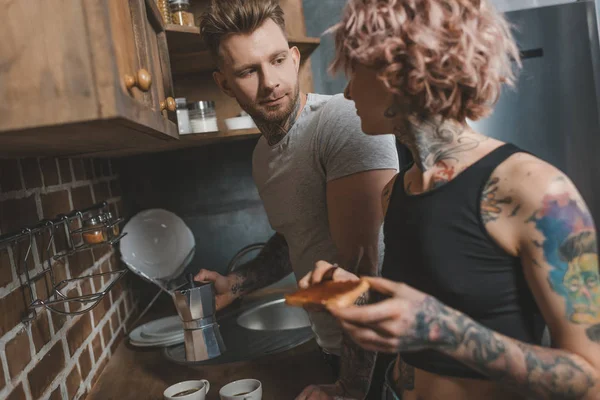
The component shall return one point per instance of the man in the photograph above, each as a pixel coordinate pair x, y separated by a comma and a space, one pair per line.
319, 176
484, 242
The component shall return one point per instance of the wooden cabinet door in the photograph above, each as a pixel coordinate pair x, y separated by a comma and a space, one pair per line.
46, 75
152, 48
126, 48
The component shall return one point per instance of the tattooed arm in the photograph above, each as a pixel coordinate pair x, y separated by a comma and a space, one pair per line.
539, 216
271, 264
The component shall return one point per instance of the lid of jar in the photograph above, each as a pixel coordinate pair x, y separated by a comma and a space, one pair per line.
179, 2
181, 103
202, 105
92, 221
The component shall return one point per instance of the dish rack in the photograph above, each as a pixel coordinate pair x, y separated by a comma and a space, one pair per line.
56, 291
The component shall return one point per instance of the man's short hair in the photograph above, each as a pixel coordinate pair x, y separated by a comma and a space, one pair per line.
225, 17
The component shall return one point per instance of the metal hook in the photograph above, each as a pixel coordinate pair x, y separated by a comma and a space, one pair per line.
49, 258
33, 313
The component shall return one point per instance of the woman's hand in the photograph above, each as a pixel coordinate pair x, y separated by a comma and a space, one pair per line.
324, 271
408, 320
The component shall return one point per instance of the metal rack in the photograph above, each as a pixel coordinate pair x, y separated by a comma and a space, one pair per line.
56, 291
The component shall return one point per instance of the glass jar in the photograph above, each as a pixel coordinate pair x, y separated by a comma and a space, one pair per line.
203, 117
180, 12
94, 236
106, 219
165, 11
183, 116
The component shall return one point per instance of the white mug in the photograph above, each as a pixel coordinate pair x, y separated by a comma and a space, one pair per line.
245, 389
178, 391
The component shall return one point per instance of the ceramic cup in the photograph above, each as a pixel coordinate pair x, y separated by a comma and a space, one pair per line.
245, 389
184, 390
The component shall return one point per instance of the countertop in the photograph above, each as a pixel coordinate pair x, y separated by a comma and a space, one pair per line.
144, 374
138, 374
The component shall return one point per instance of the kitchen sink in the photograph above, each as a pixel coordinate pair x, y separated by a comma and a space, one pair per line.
274, 316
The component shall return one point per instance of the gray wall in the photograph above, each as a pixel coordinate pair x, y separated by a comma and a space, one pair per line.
210, 188
320, 15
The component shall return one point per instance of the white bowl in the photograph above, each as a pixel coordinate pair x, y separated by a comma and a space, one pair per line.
236, 123
157, 245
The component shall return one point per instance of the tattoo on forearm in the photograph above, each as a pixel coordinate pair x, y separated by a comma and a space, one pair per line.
571, 250
275, 131
356, 368
552, 376
535, 371
272, 264
492, 206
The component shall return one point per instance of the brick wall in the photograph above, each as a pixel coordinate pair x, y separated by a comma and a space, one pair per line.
56, 357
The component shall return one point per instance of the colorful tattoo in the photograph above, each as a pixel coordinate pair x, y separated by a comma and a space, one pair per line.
443, 175
491, 206
593, 333
515, 211
570, 248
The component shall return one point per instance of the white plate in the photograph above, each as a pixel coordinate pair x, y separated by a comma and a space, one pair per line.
165, 343
158, 332
162, 328
157, 244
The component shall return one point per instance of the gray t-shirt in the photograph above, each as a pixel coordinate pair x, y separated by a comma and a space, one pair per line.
325, 143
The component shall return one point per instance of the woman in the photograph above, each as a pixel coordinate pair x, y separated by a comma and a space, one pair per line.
485, 244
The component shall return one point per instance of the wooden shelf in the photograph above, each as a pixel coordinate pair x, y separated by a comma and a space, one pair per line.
240, 134
186, 141
189, 54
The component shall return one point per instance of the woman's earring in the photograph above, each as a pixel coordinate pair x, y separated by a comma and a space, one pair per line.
392, 111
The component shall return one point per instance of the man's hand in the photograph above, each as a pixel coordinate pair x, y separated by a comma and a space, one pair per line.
323, 392
324, 270
223, 294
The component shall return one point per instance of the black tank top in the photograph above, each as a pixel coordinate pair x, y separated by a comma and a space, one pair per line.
437, 243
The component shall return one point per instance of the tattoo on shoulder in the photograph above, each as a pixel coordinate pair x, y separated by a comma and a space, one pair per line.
443, 174
491, 204
408, 185
570, 248
387, 194
593, 333
515, 211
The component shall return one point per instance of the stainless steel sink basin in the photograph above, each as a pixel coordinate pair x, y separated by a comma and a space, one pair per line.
274, 315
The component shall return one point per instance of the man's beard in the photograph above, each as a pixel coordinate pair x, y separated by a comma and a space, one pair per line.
260, 115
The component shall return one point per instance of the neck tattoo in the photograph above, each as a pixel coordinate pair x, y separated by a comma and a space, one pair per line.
275, 131
435, 142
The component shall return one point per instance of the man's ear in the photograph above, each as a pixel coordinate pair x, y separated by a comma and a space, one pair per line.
295, 56
221, 81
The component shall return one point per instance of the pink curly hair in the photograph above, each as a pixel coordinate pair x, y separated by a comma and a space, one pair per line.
445, 57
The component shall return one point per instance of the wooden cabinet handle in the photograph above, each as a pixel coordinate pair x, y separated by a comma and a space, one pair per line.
142, 80
168, 104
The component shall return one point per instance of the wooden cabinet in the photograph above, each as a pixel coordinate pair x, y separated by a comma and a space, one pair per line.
65, 71
92, 77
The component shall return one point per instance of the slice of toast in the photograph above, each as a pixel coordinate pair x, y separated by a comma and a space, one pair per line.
340, 294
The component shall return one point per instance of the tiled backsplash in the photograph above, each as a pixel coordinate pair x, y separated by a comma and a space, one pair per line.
55, 356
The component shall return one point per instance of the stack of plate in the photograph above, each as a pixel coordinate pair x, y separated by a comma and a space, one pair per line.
159, 333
